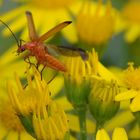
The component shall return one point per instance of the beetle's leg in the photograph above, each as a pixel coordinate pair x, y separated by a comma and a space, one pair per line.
27, 60
27, 57
52, 78
37, 66
42, 71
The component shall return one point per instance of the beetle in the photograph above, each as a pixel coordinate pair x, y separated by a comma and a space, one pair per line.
38, 49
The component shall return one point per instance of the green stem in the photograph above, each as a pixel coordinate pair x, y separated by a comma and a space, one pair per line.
98, 126
82, 122
67, 136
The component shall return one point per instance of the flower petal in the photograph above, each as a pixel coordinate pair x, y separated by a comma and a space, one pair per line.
13, 135
105, 73
126, 95
26, 136
66, 105
135, 105
120, 119
102, 135
119, 134
3, 131
56, 85
132, 33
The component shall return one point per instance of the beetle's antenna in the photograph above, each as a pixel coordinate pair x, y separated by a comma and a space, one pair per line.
11, 32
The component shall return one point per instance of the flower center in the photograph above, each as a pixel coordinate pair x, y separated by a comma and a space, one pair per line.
132, 77
8, 117
52, 4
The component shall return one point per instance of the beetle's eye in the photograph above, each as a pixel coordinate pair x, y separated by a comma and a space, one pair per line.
22, 49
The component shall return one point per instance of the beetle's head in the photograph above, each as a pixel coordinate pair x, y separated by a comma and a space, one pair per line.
21, 49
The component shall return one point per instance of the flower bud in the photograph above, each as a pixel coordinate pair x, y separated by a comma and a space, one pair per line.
101, 100
77, 78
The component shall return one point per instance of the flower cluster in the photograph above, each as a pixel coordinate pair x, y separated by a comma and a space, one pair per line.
41, 117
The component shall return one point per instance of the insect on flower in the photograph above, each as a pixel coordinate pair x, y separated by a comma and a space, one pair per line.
41, 51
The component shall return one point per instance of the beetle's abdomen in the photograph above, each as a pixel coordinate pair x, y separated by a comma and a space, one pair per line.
53, 63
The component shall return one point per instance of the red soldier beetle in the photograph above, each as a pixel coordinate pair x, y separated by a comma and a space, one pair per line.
38, 49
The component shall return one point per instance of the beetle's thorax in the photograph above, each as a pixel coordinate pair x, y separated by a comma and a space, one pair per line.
36, 49
30, 45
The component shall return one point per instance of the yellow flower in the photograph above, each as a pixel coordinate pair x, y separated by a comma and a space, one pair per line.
10, 125
78, 71
78, 85
46, 15
101, 101
95, 24
131, 77
78, 77
41, 117
132, 20
54, 86
118, 134
131, 80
